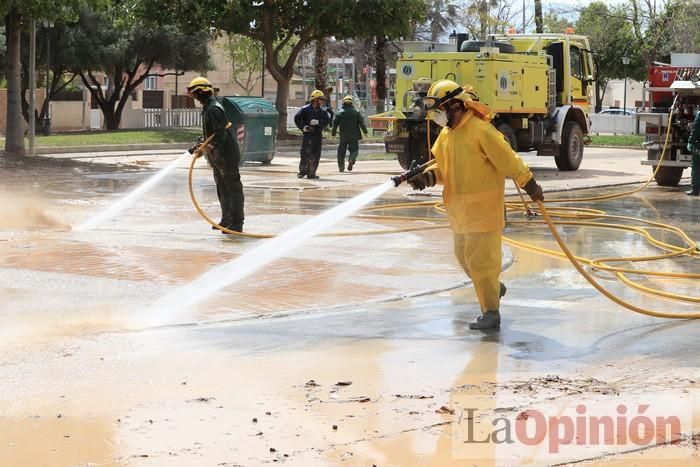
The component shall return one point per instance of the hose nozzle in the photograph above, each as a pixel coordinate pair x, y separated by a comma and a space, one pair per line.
414, 169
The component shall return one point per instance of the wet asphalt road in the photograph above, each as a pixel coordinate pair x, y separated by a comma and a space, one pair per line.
250, 375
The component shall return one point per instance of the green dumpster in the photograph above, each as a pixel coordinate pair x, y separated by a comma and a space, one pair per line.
254, 122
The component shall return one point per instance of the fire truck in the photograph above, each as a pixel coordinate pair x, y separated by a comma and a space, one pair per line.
539, 86
674, 92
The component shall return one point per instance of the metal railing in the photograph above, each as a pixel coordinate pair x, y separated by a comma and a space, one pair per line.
172, 118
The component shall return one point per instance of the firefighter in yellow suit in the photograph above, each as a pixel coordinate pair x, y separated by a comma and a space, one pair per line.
472, 161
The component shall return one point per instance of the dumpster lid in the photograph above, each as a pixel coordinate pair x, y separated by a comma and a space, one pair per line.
250, 104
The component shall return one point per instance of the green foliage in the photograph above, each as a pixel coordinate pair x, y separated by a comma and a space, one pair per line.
120, 43
618, 140
245, 57
554, 23
439, 17
392, 18
684, 33
611, 36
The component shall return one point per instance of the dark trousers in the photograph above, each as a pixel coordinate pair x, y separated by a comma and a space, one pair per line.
310, 154
230, 192
354, 151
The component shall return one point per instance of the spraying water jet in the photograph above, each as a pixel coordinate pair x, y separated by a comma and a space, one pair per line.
129, 199
181, 300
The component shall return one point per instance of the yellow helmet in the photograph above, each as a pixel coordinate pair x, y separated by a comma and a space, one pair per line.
348, 100
200, 83
317, 94
442, 91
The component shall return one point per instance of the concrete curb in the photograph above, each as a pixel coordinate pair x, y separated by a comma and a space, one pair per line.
285, 145
110, 148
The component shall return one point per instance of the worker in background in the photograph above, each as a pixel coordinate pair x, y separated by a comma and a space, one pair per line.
472, 160
223, 154
350, 123
311, 119
693, 143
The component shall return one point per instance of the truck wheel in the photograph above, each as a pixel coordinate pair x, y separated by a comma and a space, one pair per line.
571, 150
405, 160
668, 176
509, 133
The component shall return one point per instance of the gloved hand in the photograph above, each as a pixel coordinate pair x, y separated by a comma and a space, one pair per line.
691, 148
422, 180
313, 122
534, 190
206, 149
194, 147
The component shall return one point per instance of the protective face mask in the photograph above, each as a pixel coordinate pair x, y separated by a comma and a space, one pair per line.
453, 116
439, 117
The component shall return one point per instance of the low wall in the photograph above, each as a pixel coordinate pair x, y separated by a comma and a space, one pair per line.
617, 124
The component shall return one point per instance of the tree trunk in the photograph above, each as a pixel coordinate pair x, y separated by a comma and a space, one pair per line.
281, 103
483, 19
380, 60
320, 65
600, 87
538, 17
14, 138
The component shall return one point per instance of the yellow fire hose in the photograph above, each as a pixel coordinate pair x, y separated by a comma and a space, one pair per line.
583, 218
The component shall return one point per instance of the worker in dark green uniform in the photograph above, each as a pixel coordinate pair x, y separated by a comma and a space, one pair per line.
350, 123
223, 154
693, 142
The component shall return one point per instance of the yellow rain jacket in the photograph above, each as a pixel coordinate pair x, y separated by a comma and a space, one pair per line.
473, 161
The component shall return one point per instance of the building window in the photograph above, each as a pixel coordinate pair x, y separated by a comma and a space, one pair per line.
150, 83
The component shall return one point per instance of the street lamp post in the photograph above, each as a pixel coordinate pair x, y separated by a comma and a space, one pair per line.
46, 124
625, 62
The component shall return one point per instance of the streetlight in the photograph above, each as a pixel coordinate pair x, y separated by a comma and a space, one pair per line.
625, 62
46, 124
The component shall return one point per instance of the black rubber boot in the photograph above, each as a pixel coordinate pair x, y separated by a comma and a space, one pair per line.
489, 320
693, 192
504, 289
235, 228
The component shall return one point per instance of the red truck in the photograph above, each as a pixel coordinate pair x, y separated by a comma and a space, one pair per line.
673, 91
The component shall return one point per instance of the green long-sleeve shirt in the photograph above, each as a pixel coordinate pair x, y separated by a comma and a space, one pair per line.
695, 132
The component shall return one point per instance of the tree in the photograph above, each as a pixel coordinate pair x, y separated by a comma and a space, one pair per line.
245, 56
121, 44
321, 64
63, 62
485, 17
553, 23
685, 28
3, 55
611, 38
539, 26
440, 16
651, 24
15, 13
283, 25
280, 26
394, 18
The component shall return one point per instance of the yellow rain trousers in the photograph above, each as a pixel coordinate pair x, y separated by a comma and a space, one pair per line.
473, 161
